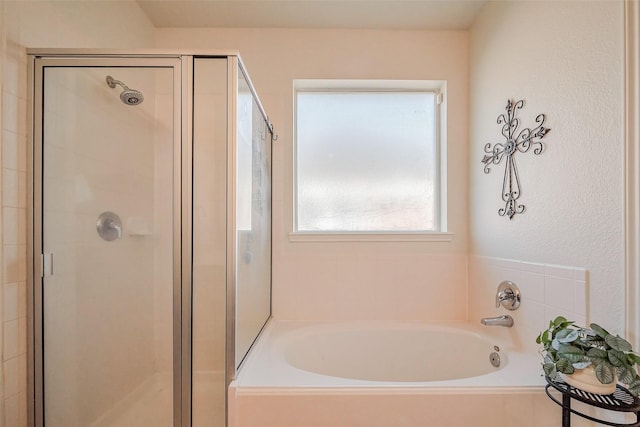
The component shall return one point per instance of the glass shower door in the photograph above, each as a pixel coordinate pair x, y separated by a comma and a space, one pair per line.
107, 199
253, 220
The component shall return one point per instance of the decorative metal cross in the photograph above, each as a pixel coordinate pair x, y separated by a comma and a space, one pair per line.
522, 142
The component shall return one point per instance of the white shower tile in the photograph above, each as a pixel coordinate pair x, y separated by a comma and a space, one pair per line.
10, 188
532, 286
580, 320
10, 150
11, 339
22, 335
11, 302
22, 372
22, 226
580, 274
11, 263
505, 263
11, 376
529, 320
14, 226
10, 112
22, 116
22, 153
22, 299
10, 226
11, 77
532, 267
559, 292
22, 189
559, 271
551, 313
22, 262
23, 408
12, 410
580, 298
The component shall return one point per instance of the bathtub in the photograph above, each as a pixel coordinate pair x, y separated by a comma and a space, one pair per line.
370, 374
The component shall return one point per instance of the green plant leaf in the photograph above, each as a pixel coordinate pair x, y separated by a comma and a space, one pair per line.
555, 344
567, 335
561, 364
599, 330
595, 341
582, 365
604, 373
616, 357
550, 370
634, 387
618, 343
559, 320
564, 365
633, 358
571, 353
597, 353
545, 337
625, 375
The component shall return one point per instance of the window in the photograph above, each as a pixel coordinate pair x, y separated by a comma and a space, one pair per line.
368, 156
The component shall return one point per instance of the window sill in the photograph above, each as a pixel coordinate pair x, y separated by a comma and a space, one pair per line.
392, 236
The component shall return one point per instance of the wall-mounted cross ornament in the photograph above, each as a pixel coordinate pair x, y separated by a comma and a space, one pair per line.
521, 141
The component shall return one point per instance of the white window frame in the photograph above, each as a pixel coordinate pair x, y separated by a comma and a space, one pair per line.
436, 86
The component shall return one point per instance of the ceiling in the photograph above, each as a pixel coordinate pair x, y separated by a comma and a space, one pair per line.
361, 14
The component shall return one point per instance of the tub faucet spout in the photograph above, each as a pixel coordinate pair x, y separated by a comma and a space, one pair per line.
504, 320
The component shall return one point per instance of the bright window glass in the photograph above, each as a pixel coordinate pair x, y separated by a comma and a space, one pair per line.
366, 161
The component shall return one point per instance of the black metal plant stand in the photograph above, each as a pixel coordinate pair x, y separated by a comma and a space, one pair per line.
620, 400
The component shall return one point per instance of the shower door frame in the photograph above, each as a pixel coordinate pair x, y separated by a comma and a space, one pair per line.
182, 62
182, 237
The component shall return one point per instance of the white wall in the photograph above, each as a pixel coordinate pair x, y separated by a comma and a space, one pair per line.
334, 281
565, 59
70, 24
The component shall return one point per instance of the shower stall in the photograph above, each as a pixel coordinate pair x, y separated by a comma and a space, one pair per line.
149, 235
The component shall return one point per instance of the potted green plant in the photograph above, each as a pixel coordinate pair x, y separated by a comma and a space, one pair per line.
591, 358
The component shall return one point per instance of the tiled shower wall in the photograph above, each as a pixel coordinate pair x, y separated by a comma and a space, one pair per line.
14, 249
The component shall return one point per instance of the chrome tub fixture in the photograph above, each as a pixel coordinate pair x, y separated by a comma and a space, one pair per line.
508, 295
504, 320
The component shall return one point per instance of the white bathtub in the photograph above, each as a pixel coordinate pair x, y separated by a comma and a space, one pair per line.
371, 374
386, 352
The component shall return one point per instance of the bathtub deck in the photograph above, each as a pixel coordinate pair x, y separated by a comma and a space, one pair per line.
266, 368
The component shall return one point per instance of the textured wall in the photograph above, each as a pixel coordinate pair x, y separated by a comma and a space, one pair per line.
565, 59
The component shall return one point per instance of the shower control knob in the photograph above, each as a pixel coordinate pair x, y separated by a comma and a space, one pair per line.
508, 295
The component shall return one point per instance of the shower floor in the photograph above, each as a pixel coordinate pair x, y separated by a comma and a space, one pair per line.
150, 405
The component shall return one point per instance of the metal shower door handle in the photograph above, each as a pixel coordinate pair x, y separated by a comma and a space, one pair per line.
109, 226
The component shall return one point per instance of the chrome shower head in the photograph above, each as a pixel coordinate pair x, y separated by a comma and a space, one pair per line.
131, 97
128, 96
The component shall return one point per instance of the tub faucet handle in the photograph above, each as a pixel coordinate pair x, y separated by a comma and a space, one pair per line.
508, 295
